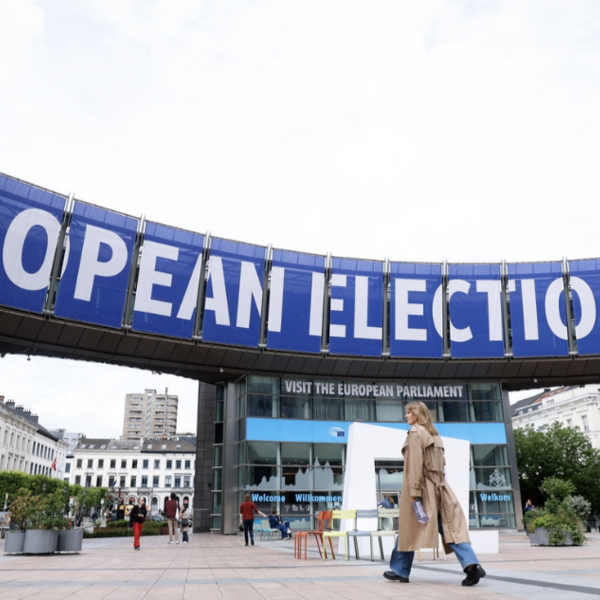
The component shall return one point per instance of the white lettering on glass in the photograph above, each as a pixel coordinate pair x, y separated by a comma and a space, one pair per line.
405, 309
149, 277
91, 267
362, 329
14, 242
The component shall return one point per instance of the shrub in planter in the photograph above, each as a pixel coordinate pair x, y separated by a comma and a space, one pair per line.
558, 517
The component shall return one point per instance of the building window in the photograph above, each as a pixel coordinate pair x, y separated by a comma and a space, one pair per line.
79, 463
144, 464
123, 464
90, 463
67, 467
99, 481
169, 464
134, 464
155, 481
144, 480
113, 463
188, 464
586, 425
101, 463
178, 464
186, 481
157, 464
133, 481
177, 481
122, 481
77, 479
168, 481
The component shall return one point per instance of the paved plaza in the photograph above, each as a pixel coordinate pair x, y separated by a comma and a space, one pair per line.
214, 566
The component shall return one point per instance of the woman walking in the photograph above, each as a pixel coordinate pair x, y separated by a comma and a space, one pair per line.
247, 511
137, 516
424, 480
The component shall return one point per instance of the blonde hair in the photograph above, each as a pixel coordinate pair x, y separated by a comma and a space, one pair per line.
421, 413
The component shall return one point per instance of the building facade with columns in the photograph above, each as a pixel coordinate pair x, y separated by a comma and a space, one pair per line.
27, 446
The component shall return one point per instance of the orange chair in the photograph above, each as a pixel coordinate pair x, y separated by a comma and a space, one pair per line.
323, 521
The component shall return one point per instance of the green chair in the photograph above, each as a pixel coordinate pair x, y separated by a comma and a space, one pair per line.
341, 515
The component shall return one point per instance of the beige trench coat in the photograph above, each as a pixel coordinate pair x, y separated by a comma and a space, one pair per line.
424, 477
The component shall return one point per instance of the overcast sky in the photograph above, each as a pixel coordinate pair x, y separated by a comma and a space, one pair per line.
433, 130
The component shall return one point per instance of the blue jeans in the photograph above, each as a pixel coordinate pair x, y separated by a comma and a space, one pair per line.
401, 562
283, 527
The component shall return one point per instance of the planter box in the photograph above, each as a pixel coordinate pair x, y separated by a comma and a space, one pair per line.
14, 542
40, 541
70, 540
541, 537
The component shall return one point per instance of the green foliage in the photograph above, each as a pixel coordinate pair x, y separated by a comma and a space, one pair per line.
119, 532
21, 508
556, 488
560, 452
29, 511
558, 515
13, 481
580, 506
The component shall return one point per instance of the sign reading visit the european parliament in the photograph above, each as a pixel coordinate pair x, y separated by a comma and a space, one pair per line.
166, 281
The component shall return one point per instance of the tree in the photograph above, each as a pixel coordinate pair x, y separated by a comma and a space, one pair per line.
560, 452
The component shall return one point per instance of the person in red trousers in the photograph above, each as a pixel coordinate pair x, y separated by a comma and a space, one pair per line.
137, 516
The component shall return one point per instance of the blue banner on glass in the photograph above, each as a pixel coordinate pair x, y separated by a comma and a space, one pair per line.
234, 293
585, 287
475, 311
356, 309
337, 432
416, 310
167, 286
30, 221
296, 302
93, 287
537, 309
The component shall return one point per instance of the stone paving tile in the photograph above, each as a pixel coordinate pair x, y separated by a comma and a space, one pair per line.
218, 567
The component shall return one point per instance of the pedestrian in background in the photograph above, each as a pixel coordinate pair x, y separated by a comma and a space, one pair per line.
137, 516
247, 511
172, 510
185, 524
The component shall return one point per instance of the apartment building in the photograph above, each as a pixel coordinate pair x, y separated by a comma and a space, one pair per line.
150, 414
573, 406
150, 469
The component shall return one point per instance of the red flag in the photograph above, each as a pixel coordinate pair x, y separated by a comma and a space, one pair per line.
54, 464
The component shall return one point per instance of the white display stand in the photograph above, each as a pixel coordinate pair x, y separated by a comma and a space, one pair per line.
368, 443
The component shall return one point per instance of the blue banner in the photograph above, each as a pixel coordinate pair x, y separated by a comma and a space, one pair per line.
30, 221
416, 310
336, 432
93, 287
585, 288
475, 311
167, 286
234, 293
356, 309
537, 309
296, 302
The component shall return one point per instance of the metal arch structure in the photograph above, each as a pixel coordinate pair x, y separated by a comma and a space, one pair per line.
43, 308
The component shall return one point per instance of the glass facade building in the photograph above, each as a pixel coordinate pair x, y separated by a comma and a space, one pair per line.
284, 442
